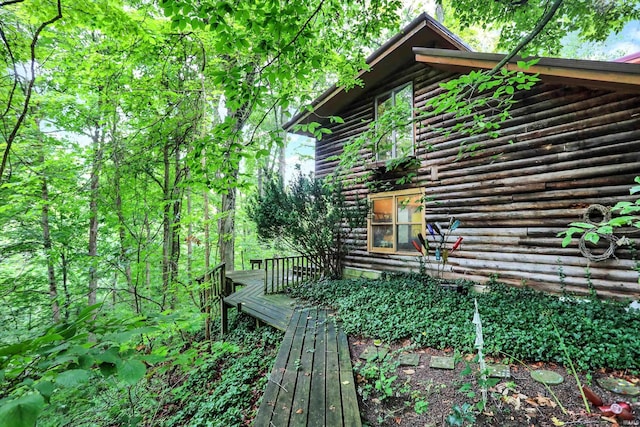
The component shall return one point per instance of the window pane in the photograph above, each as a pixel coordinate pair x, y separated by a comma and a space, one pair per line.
384, 146
404, 134
406, 234
382, 236
409, 210
382, 210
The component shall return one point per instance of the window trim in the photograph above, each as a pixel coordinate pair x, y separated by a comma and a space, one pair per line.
418, 192
394, 147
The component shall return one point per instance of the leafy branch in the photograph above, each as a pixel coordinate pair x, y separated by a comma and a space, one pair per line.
30, 83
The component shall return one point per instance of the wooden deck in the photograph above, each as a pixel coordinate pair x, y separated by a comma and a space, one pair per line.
273, 309
311, 383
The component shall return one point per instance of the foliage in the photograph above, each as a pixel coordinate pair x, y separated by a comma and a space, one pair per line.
629, 217
198, 383
377, 378
593, 20
480, 100
461, 415
70, 355
221, 391
310, 216
516, 320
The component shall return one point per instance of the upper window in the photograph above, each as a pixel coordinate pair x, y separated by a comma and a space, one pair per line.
396, 219
394, 113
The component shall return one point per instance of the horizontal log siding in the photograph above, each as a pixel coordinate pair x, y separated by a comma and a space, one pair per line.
564, 149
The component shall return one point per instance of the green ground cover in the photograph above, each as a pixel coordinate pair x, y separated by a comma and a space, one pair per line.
518, 322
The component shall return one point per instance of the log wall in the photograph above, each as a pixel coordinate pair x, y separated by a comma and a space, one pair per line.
564, 149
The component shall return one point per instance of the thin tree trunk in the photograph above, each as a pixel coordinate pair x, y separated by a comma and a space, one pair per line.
167, 245
147, 263
46, 238
175, 225
65, 284
124, 258
189, 233
226, 225
93, 217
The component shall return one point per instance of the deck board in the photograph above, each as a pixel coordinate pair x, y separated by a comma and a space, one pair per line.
273, 309
311, 383
316, 386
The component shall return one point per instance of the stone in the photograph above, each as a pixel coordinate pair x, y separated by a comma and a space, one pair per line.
619, 386
409, 359
442, 362
547, 377
372, 352
499, 371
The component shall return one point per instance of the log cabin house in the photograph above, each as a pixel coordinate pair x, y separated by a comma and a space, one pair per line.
572, 145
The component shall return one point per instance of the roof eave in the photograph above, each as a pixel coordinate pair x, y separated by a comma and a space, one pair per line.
377, 58
600, 74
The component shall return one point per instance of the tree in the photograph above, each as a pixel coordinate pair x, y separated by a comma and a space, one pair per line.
259, 48
21, 60
310, 217
593, 20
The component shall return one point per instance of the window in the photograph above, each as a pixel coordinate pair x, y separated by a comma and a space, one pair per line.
396, 219
394, 113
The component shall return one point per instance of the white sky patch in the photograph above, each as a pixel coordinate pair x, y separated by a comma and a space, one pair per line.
300, 151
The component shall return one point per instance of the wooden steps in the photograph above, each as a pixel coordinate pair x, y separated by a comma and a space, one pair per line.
311, 383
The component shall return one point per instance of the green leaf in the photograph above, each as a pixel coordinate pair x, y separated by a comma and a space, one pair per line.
107, 369
592, 237
111, 355
131, 371
622, 220
22, 412
12, 349
45, 388
72, 377
584, 225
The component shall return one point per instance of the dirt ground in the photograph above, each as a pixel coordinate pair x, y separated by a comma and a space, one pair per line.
517, 401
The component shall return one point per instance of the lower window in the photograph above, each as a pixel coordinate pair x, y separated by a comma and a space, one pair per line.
396, 219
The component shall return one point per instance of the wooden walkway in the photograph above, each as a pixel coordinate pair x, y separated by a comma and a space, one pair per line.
273, 309
311, 383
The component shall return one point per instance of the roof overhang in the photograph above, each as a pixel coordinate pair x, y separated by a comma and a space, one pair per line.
389, 58
618, 76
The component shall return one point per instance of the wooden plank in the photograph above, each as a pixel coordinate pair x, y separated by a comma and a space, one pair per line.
273, 388
300, 410
282, 409
317, 395
350, 411
333, 408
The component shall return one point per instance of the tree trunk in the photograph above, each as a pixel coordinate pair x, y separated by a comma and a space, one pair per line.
124, 258
167, 245
177, 195
94, 186
65, 283
226, 226
46, 239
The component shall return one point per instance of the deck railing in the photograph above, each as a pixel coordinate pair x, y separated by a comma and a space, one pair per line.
281, 273
213, 288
